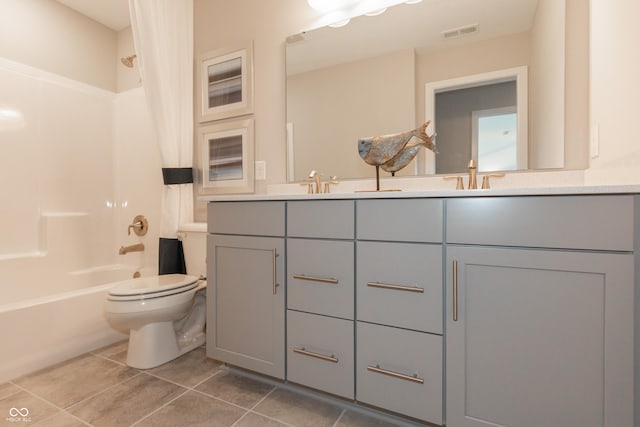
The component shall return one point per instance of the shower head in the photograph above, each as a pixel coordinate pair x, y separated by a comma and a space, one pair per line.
128, 61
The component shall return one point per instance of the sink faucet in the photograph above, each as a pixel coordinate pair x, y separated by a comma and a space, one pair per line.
133, 248
473, 181
315, 175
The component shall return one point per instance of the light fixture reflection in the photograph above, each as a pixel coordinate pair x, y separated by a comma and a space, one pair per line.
376, 12
341, 23
11, 119
328, 5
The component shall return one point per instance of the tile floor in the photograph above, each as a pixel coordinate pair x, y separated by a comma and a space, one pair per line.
98, 389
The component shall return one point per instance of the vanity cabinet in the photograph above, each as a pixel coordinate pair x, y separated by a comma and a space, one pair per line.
539, 311
399, 306
320, 287
464, 311
245, 285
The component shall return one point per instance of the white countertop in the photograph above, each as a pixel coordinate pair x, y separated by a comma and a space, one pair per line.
545, 183
498, 192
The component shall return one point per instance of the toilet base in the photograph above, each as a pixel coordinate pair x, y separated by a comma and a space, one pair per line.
156, 343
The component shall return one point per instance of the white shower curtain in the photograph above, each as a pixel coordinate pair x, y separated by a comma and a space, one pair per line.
163, 37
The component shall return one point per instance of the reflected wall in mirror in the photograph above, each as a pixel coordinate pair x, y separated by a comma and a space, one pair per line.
369, 77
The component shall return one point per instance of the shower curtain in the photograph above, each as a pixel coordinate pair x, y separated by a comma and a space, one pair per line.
163, 37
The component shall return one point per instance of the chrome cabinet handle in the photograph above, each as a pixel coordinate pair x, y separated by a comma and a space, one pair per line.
396, 287
379, 370
305, 352
454, 276
316, 279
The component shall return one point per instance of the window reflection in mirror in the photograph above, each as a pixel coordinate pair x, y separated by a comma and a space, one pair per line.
495, 139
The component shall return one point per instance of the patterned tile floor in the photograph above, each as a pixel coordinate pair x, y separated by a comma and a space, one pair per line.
98, 389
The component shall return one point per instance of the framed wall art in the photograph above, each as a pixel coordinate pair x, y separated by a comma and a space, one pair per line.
226, 159
225, 77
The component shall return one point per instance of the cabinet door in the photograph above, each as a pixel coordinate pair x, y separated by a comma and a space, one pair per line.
245, 302
538, 338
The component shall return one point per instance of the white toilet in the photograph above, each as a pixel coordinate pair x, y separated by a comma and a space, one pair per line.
165, 316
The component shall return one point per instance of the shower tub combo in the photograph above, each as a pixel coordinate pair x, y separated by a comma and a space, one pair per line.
42, 331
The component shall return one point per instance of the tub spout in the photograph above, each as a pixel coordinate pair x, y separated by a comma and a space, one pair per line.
133, 248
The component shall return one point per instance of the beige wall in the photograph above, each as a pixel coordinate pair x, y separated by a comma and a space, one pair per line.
614, 88
546, 86
49, 36
576, 100
220, 23
381, 100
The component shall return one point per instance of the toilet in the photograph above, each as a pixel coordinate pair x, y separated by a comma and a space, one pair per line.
165, 316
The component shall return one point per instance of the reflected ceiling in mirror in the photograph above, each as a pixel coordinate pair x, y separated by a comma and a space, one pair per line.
368, 78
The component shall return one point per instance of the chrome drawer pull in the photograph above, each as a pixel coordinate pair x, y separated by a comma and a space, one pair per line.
396, 287
379, 370
304, 352
316, 279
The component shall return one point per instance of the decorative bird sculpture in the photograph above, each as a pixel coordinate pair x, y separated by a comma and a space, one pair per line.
395, 151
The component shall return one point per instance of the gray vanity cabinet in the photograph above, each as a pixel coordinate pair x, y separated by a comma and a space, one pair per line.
245, 285
526, 303
320, 295
540, 336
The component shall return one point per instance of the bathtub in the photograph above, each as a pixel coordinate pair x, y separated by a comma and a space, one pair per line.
39, 332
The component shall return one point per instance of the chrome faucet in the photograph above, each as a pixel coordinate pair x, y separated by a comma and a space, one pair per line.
473, 180
139, 247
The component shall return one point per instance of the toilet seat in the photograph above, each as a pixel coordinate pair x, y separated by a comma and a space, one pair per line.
151, 287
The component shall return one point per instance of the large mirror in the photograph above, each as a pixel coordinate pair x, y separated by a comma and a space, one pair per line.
386, 73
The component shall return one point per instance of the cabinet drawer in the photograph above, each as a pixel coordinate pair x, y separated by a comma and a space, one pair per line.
413, 271
320, 353
320, 276
253, 218
400, 370
572, 222
404, 220
330, 219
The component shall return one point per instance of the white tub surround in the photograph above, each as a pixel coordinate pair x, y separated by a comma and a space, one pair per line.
40, 332
63, 221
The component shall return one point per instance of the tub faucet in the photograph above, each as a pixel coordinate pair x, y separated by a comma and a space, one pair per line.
133, 248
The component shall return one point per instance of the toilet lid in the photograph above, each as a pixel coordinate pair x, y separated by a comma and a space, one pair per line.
153, 286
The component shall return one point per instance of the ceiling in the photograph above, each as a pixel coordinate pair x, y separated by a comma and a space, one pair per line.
112, 13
